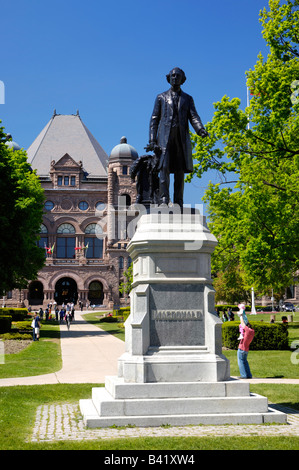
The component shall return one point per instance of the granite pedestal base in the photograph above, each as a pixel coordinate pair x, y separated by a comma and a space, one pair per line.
176, 404
173, 371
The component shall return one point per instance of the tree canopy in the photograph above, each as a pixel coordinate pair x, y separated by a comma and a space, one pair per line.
21, 210
254, 214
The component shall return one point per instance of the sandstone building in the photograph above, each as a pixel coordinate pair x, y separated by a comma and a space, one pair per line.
84, 229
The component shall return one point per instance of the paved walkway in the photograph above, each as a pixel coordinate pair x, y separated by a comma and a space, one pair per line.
89, 355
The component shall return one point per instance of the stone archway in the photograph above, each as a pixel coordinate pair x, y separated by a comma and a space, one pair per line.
66, 291
36, 293
96, 293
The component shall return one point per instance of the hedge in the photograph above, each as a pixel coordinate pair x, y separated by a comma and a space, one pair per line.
268, 336
122, 312
18, 314
235, 308
108, 320
5, 323
22, 325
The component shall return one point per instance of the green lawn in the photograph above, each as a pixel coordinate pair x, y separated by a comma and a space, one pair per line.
18, 404
41, 357
18, 407
112, 328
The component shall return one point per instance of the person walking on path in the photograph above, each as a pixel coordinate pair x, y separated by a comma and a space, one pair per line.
35, 327
68, 318
243, 350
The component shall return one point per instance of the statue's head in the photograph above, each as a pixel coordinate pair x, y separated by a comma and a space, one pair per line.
176, 71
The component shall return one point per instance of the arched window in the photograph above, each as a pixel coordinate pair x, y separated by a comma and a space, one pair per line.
66, 229
93, 229
124, 200
43, 239
65, 244
121, 262
94, 241
43, 229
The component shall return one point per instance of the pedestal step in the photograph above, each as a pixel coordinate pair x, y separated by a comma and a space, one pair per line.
106, 405
155, 404
92, 419
119, 389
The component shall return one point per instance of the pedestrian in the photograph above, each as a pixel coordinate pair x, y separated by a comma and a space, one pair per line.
230, 314
56, 312
41, 313
224, 317
62, 315
243, 350
47, 314
68, 318
35, 327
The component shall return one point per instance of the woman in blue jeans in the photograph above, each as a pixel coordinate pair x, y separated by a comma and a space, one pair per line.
244, 349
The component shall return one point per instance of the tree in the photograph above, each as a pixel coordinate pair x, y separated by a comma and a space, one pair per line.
126, 287
21, 210
255, 215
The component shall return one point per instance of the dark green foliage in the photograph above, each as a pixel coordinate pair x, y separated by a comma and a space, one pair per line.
123, 312
267, 336
17, 314
5, 323
108, 320
21, 211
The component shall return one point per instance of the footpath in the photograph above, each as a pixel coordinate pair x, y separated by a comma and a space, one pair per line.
89, 354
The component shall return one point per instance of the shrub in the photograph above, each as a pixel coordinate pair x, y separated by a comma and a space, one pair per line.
18, 314
224, 308
16, 336
108, 320
22, 325
271, 336
123, 312
5, 323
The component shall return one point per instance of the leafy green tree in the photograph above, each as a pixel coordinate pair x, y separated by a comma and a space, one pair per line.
21, 210
125, 287
255, 213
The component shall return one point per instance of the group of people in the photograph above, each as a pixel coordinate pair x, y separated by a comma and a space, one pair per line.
60, 314
229, 316
66, 313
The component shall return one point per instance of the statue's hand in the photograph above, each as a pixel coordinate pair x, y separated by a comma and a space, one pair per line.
150, 146
203, 133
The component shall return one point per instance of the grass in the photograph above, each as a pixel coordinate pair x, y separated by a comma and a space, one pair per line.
18, 407
18, 404
112, 328
274, 364
40, 357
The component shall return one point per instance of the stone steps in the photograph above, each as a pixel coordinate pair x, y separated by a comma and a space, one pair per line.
176, 404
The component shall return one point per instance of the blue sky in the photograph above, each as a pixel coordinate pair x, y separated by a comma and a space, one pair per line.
109, 60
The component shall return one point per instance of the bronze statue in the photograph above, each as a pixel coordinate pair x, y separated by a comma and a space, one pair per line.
169, 130
145, 170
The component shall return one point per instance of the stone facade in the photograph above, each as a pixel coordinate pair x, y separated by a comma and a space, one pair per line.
84, 230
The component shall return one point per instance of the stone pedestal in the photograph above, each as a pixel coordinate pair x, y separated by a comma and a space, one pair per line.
173, 370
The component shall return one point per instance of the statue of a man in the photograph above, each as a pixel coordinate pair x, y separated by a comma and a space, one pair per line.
169, 129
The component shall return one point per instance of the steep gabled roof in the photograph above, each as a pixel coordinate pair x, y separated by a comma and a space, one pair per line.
67, 134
